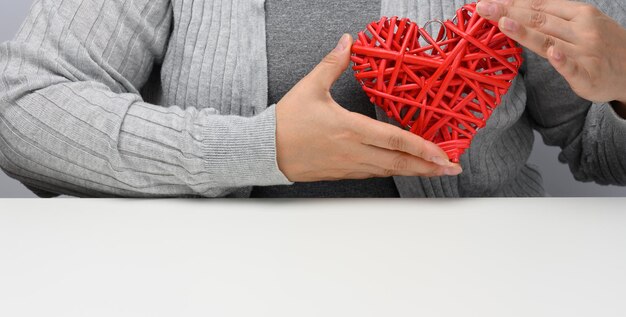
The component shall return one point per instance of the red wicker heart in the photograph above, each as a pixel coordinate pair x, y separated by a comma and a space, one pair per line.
443, 90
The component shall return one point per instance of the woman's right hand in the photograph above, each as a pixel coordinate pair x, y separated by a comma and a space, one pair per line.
317, 139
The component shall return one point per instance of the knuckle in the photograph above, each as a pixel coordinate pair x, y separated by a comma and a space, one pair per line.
330, 59
538, 5
588, 10
388, 173
400, 163
502, 10
548, 42
395, 142
594, 38
538, 20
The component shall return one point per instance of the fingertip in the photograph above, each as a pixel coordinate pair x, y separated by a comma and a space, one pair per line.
344, 42
508, 25
453, 170
433, 153
340, 44
439, 160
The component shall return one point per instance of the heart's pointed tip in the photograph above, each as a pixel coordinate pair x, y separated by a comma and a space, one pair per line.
454, 148
454, 155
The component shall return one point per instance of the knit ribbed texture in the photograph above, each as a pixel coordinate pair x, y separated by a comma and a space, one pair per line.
496, 164
72, 120
86, 108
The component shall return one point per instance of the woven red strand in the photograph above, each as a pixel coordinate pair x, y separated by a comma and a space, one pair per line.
443, 90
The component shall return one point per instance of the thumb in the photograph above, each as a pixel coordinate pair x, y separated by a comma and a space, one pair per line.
334, 64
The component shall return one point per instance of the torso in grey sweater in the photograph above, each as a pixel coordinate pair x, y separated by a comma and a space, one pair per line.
293, 51
170, 98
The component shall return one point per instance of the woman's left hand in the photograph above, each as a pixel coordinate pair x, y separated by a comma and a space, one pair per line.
584, 45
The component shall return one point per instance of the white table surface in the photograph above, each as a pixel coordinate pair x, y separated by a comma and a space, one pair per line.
480, 257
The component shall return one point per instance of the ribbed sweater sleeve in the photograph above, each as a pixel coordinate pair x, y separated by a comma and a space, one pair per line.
72, 120
592, 136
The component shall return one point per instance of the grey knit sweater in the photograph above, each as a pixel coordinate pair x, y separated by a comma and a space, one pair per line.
293, 52
169, 98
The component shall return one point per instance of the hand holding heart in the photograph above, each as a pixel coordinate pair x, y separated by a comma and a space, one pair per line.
584, 45
317, 139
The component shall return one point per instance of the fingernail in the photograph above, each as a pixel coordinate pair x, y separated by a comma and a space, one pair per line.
453, 171
486, 8
508, 24
440, 161
343, 43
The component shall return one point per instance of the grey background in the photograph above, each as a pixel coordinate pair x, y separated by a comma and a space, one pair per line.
557, 177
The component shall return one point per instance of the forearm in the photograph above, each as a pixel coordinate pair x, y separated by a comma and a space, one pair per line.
72, 120
75, 139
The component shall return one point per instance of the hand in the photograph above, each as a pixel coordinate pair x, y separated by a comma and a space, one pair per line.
584, 45
317, 139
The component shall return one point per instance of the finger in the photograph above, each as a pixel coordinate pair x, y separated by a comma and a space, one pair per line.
390, 137
537, 20
333, 65
532, 39
568, 67
394, 163
566, 10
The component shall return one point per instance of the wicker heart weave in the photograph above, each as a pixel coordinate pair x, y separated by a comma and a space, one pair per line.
443, 89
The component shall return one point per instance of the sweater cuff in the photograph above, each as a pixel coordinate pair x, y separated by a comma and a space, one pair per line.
241, 151
604, 149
